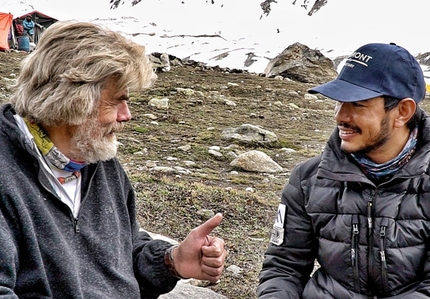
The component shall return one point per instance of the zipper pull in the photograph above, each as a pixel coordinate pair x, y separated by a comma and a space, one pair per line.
369, 215
355, 229
382, 246
76, 225
354, 242
382, 232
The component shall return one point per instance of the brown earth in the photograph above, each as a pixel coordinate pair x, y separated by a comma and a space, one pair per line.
170, 203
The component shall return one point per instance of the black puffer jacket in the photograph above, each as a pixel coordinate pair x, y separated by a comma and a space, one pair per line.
371, 241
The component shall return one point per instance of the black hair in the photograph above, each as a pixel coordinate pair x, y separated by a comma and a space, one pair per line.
390, 103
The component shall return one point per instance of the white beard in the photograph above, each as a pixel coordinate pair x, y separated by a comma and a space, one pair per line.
93, 142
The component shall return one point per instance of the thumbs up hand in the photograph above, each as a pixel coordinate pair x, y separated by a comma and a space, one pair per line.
200, 255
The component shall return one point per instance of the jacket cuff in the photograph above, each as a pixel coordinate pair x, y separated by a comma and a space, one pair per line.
151, 269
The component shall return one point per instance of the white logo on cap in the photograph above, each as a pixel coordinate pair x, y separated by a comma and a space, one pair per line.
360, 58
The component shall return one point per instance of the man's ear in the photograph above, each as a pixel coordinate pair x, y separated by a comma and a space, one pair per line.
406, 110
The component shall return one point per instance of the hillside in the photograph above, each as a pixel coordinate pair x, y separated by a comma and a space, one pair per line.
189, 181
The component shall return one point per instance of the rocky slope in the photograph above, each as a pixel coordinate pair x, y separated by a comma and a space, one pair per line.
180, 161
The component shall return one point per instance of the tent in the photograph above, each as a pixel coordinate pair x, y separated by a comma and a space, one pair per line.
7, 33
5, 25
40, 18
42, 22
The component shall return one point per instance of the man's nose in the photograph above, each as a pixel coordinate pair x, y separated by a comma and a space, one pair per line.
123, 112
341, 111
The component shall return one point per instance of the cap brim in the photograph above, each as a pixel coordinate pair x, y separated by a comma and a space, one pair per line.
344, 91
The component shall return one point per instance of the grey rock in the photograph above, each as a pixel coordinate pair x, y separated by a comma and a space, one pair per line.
256, 161
159, 103
248, 133
300, 63
183, 290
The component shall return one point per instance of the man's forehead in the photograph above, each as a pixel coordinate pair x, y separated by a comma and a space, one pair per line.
111, 92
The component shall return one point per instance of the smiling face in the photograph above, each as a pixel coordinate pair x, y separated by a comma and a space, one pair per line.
95, 139
365, 127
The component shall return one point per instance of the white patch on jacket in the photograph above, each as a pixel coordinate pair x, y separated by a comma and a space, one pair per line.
277, 236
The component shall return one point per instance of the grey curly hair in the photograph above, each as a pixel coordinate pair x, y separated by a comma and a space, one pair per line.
61, 81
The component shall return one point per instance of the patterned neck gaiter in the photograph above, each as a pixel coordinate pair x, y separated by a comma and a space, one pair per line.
378, 171
49, 151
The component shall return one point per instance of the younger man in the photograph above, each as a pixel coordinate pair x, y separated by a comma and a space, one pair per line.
362, 207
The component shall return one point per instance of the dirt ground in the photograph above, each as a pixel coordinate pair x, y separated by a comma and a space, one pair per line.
173, 202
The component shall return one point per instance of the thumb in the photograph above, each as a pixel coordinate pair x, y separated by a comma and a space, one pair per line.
206, 228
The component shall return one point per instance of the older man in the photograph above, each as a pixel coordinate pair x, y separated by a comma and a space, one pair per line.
67, 208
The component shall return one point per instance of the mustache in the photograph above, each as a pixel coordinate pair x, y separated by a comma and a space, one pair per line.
116, 127
119, 126
348, 126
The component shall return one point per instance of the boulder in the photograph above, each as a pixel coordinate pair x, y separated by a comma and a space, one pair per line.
250, 134
256, 161
300, 63
184, 290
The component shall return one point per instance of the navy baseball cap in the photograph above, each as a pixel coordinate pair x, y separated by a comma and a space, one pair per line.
376, 70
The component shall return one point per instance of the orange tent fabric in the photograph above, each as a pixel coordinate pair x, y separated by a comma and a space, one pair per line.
5, 25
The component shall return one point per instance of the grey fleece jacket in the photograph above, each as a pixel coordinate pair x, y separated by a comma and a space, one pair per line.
45, 252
